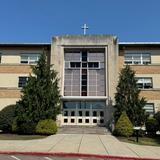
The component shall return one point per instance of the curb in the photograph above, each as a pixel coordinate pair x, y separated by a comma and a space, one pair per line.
79, 155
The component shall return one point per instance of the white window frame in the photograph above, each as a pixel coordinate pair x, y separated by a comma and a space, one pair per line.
140, 61
94, 67
149, 110
29, 58
74, 62
144, 79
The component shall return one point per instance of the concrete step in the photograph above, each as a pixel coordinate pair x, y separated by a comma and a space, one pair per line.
83, 130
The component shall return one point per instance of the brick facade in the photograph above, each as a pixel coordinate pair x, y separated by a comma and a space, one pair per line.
4, 68
10, 93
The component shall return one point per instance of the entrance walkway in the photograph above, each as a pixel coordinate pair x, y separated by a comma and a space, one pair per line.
81, 144
83, 130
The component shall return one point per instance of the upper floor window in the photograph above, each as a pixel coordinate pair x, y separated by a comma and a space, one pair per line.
144, 82
149, 108
93, 64
137, 58
22, 81
90, 65
29, 58
75, 64
84, 56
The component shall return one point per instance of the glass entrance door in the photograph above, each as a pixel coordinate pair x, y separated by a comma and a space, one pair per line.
83, 113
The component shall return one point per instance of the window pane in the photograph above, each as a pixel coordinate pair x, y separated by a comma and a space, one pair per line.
22, 81
93, 64
149, 108
24, 59
144, 82
75, 64
34, 58
80, 113
84, 65
30, 58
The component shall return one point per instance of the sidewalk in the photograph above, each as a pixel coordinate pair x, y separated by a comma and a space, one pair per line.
81, 143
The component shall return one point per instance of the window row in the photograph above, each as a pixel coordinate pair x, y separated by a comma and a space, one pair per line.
86, 113
84, 65
31, 58
72, 120
137, 58
84, 104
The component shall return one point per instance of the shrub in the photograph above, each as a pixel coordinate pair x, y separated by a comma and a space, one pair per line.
141, 133
157, 117
46, 127
25, 127
7, 115
152, 126
123, 126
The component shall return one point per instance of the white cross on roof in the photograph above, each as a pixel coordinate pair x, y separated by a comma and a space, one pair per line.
84, 27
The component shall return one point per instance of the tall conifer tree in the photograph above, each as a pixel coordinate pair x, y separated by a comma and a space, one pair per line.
40, 97
127, 97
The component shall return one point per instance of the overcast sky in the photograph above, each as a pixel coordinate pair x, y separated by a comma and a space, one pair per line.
39, 20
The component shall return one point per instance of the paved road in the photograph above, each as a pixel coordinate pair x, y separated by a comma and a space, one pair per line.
22, 157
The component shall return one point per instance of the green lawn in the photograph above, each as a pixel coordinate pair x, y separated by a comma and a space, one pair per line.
19, 137
152, 141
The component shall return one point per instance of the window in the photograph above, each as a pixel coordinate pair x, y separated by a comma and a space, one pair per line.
86, 120
80, 113
22, 81
94, 113
72, 120
94, 120
79, 120
149, 108
137, 58
84, 71
72, 113
101, 113
84, 56
93, 64
87, 114
84, 93
65, 120
84, 65
65, 113
101, 120
75, 64
144, 83
0, 57
29, 58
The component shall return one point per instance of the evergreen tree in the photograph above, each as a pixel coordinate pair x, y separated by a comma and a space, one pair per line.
127, 98
124, 126
40, 97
